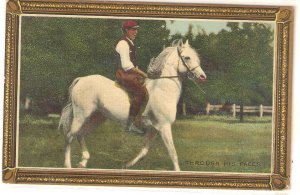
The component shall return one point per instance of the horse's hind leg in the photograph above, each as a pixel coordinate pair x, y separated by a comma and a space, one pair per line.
92, 122
149, 138
68, 141
75, 127
84, 150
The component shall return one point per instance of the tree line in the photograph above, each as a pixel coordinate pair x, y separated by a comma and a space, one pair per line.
238, 60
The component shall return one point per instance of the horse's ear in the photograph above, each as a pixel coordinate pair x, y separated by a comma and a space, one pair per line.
187, 43
174, 42
177, 42
180, 45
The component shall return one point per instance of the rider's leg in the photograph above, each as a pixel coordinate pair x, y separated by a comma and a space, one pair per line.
140, 96
130, 81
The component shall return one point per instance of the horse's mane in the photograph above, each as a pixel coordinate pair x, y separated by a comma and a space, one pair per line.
157, 64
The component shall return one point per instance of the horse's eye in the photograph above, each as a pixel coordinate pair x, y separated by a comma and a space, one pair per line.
187, 58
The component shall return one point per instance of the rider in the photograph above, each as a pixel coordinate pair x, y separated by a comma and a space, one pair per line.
128, 74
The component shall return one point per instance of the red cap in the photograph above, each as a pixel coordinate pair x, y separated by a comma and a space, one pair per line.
130, 24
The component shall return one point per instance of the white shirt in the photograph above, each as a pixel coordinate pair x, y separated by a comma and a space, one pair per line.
123, 49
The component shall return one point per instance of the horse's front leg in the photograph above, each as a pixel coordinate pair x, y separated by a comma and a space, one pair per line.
149, 138
166, 135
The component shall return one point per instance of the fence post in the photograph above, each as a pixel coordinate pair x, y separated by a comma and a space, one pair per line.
27, 103
184, 109
207, 108
261, 110
233, 110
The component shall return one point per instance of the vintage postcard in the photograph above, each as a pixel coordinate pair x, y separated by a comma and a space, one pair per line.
184, 95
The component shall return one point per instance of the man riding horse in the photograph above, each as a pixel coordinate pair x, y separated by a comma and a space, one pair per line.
103, 100
128, 75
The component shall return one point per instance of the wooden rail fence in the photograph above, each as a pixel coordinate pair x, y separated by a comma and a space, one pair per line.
237, 108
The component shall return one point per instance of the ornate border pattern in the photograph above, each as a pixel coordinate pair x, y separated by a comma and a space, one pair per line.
154, 10
282, 100
278, 179
137, 178
11, 61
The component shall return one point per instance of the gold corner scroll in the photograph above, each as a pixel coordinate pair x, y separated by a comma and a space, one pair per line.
284, 15
14, 6
9, 175
278, 182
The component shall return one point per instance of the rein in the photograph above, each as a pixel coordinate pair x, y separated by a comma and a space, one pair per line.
165, 77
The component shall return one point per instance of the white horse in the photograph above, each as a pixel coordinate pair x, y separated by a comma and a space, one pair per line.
95, 98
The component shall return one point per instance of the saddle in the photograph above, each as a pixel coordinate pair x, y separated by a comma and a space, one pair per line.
118, 85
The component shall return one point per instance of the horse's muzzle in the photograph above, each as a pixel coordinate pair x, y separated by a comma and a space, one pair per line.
201, 79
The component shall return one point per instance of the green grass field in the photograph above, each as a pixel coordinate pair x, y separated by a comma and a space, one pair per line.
203, 143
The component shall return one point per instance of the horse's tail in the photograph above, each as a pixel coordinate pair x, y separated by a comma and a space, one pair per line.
71, 89
67, 112
66, 118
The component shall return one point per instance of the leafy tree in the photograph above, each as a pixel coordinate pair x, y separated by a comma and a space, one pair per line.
57, 50
238, 63
151, 39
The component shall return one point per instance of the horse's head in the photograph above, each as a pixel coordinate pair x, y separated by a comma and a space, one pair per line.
189, 62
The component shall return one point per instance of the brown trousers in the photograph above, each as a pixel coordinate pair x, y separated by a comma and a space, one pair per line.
131, 81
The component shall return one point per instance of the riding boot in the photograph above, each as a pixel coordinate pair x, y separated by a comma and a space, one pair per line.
130, 127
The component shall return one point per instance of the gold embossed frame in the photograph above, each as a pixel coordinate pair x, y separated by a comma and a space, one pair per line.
277, 176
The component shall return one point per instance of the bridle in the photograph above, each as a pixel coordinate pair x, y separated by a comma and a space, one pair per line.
190, 74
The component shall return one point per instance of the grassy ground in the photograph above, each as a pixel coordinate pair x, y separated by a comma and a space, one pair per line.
203, 143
